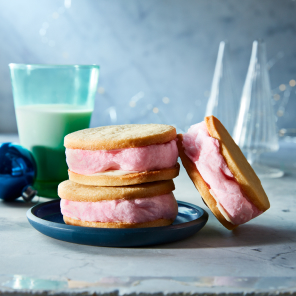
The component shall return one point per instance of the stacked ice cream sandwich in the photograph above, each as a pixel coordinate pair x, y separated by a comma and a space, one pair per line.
120, 176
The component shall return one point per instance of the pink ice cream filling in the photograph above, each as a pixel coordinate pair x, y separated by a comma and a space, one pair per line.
138, 210
148, 158
204, 151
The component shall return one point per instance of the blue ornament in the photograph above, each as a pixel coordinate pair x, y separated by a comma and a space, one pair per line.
17, 172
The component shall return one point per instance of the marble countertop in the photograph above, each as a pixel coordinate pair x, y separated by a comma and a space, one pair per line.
259, 257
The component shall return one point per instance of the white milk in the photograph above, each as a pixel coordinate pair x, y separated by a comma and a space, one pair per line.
42, 129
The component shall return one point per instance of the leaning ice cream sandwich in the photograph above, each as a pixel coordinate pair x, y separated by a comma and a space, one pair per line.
221, 173
121, 155
143, 205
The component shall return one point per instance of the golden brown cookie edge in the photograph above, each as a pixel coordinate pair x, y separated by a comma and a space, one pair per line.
201, 185
130, 179
242, 171
155, 223
78, 192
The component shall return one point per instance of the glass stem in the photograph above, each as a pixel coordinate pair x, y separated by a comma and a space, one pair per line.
253, 157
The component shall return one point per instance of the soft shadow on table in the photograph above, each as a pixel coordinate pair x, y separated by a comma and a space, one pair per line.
19, 203
210, 237
243, 236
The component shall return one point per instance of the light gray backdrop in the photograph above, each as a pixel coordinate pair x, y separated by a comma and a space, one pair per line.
148, 50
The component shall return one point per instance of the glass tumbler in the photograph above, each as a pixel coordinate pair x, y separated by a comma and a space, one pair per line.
50, 102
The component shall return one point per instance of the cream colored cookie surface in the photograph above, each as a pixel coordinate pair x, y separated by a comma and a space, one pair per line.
242, 171
156, 223
130, 179
77, 192
120, 136
201, 185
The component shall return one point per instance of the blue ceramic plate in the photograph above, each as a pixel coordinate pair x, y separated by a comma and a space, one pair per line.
47, 219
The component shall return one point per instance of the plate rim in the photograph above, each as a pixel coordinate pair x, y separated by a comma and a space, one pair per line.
32, 217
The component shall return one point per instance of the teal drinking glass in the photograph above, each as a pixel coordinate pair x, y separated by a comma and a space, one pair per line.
50, 102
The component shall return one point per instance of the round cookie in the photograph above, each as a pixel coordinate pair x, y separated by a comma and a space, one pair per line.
237, 164
201, 185
120, 136
130, 179
156, 223
77, 192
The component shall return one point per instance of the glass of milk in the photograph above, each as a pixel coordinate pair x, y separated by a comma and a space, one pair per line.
51, 101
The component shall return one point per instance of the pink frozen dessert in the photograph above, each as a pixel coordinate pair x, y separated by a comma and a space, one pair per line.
144, 205
122, 155
221, 173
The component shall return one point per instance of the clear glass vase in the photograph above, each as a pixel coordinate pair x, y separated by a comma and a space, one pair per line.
255, 130
222, 102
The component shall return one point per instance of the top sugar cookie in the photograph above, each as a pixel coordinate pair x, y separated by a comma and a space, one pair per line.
120, 136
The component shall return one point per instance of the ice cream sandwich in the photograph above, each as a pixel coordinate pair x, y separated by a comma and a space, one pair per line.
219, 170
144, 205
122, 155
